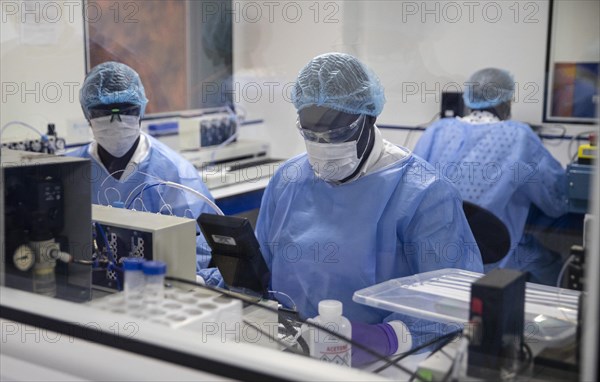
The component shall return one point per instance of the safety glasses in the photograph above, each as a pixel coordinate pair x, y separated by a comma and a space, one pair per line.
114, 111
337, 135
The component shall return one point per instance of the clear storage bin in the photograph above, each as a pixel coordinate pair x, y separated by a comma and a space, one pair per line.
444, 296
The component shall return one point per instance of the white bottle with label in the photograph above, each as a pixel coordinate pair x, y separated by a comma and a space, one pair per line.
327, 347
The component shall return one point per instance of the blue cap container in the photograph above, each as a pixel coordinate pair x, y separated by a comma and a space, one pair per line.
154, 268
133, 263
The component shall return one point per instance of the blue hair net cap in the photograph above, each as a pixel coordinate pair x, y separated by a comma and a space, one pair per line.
341, 82
112, 82
488, 88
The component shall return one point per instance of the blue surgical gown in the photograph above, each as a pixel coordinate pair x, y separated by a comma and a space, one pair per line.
163, 163
504, 168
324, 241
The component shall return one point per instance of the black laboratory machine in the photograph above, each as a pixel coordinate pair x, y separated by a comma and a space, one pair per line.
45, 231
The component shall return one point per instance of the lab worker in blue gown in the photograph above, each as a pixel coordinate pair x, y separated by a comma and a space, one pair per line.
502, 166
129, 167
355, 210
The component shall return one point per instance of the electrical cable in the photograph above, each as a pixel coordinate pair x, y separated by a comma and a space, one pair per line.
112, 265
308, 323
280, 342
435, 116
287, 324
563, 269
527, 363
440, 349
512, 374
416, 349
450, 372
108, 249
529, 358
286, 295
460, 354
558, 138
446, 354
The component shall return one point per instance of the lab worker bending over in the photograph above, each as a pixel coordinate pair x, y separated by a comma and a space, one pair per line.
502, 166
129, 165
351, 212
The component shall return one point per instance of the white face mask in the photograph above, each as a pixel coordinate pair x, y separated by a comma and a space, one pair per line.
116, 137
333, 161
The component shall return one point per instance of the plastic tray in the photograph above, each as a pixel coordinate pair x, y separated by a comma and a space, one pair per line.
444, 295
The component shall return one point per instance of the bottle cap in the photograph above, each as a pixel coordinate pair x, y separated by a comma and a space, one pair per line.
133, 263
154, 268
330, 308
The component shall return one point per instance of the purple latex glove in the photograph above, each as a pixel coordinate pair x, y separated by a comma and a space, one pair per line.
380, 338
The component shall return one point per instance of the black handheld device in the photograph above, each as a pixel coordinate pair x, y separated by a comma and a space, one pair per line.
236, 253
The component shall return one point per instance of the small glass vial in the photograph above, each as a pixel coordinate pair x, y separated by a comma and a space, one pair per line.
134, 279
154, 274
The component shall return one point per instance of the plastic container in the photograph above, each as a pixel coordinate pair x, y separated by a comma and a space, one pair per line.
154, 275
134, 279
327, 347
444, 296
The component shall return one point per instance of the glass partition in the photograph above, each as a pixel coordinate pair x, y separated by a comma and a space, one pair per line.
193, 56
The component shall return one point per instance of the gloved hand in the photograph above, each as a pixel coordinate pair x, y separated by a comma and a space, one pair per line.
381, 338
212, 277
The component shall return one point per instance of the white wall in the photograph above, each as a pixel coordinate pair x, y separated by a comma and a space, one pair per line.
416, 48
268, 54
437, 50
42, 67
577, 30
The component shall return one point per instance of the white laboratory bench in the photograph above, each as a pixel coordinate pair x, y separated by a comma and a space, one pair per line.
79, 342
239, 188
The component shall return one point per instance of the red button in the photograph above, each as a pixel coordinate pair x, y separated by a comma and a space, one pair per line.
476, 306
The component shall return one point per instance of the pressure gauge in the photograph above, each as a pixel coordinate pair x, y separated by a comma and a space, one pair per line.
36, 146
23, 258
60, 144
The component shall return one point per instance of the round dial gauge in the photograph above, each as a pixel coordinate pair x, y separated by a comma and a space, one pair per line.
23, 258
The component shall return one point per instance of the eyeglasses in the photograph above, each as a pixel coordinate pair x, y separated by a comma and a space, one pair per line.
115, 111
337, 135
